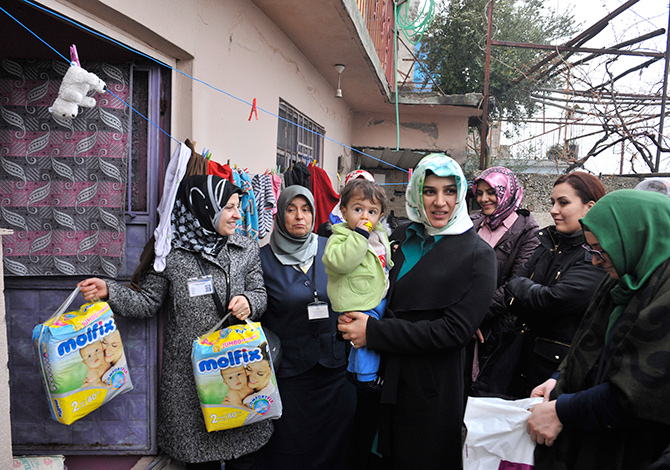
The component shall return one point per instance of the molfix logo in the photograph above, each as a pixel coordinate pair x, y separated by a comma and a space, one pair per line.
236, 357
93, 333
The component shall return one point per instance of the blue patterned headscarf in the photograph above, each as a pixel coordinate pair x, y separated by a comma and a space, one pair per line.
443, 166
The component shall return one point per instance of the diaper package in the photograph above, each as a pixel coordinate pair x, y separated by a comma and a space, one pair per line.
81, 359
235, 377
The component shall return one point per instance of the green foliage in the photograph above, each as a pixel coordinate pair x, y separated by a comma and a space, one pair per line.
564, 152
555, 152
454, 49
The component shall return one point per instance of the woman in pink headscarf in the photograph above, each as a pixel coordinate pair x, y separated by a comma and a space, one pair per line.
335, 217
510, 231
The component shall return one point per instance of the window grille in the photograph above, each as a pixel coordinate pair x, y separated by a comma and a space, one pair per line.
299, 139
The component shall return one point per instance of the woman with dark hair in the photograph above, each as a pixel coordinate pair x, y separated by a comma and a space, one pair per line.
608, 406
203, 237
550, 293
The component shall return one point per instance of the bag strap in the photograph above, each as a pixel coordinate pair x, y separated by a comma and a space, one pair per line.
221, 322
215, 295
64, 306
217, 300
41, 354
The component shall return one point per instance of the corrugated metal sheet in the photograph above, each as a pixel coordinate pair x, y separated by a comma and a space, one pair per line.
388, 158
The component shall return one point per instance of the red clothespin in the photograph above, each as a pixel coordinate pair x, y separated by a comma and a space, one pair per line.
410, 174
74, 57
254, 111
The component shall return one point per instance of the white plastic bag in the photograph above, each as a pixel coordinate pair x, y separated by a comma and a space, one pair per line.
497, 437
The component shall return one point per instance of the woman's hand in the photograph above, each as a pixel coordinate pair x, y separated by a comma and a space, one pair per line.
93, 288
353, 326
239, 307
543, 424
479, 335
544, 389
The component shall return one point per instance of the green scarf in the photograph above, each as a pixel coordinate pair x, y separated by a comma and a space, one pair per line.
633, 228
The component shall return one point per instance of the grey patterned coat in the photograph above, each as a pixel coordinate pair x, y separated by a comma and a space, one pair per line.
181, 427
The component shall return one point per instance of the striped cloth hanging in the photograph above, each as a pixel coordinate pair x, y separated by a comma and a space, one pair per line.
265, 202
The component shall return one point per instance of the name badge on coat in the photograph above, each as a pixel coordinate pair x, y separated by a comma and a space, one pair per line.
200, 286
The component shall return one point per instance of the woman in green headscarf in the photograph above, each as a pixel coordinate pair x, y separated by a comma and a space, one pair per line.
610, 407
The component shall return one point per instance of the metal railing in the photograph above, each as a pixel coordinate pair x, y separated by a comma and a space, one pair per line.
379, 19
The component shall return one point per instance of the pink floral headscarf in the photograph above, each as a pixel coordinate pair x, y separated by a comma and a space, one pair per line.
508, 191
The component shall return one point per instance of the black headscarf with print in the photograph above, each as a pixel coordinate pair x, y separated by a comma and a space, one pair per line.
197, 210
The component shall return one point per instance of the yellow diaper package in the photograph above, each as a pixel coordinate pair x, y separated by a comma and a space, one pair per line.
81, 359
235, 377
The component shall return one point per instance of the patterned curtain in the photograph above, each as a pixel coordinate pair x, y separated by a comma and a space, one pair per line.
62, 182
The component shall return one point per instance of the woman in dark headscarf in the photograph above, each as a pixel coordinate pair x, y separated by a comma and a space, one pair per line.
203, 230
510, 231
318, 402
441, 284
610, 408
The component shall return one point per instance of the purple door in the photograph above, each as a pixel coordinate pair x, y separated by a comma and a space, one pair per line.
125, 425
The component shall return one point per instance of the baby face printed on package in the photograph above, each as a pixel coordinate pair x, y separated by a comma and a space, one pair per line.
82, 361
235, 377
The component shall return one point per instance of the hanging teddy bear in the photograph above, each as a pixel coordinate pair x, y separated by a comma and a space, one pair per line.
73, 92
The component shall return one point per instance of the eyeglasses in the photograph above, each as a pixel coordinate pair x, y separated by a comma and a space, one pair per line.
597, 253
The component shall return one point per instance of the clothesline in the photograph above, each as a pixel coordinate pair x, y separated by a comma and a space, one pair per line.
107, 38
258, 204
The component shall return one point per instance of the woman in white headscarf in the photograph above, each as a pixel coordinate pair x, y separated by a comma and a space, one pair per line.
441, 285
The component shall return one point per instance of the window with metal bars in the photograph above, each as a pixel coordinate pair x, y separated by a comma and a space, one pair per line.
299, 139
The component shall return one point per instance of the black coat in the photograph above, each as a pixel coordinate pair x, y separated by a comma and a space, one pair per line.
432, 313
304, 343
512, 251
549, 295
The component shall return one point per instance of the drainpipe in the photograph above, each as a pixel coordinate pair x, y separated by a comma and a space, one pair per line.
663, 100
485, 157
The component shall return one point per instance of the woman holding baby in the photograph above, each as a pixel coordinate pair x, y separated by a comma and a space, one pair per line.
441, 285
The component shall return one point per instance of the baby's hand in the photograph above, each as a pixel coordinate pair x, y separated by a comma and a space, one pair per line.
365, 225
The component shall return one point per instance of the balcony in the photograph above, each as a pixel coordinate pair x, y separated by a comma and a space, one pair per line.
349, 32
379, 19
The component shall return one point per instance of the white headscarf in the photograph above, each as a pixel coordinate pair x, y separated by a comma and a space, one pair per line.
443, 166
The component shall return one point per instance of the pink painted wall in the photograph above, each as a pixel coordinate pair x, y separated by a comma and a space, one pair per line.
238, 50
417, 131
101, 462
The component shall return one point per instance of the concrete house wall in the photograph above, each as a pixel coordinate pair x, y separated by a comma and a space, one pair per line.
241, 50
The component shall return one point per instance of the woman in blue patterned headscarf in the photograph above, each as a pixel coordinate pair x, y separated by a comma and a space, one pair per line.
440, 287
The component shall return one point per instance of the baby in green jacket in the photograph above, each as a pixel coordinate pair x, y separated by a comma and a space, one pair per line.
357, 258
